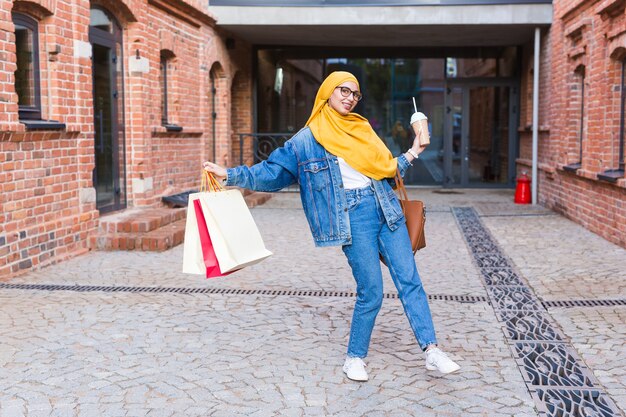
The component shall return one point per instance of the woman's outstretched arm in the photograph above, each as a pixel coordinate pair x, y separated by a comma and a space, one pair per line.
277, 172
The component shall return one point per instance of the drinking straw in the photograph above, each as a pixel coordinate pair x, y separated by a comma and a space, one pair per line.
414, 105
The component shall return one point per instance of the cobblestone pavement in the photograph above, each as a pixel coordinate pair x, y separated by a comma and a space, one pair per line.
247, 353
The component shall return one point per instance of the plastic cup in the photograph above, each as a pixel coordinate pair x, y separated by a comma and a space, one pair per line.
419, 123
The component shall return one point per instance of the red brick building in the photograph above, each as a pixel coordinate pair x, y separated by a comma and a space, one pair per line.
107, 105
582, 121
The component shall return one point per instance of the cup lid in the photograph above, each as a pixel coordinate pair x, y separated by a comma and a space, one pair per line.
417, 116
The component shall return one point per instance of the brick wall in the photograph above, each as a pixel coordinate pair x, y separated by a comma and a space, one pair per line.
42, 218
586, 43
48, 205
241, 119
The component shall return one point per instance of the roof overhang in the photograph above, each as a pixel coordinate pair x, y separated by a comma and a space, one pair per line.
389, 26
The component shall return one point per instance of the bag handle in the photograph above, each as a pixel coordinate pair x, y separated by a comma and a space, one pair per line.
210, 183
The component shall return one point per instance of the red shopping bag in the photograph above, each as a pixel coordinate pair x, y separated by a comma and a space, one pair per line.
210, 260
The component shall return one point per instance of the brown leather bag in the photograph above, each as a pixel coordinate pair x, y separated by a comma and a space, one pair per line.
415, 215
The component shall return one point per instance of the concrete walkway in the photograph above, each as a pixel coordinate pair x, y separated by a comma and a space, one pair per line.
270, 340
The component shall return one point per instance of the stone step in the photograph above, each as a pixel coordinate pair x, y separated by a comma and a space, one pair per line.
151, 229
163, 238
140, 220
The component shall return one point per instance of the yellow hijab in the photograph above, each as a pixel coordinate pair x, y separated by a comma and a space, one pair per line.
350, 137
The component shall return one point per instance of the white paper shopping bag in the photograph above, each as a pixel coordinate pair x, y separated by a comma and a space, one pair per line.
234, 234
193, 260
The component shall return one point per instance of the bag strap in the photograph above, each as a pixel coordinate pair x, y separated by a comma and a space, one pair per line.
400, 186
210, 183
401, 189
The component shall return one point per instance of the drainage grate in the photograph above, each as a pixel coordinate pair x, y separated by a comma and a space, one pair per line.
501, 276
543, 356
529, 325
512, 298
584, 303
478, 238
440, 191
552, 364
472, 229
484, 246
490, 260
574, 403
459, 298
226, 291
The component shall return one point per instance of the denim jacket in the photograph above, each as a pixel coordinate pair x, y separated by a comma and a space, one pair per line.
303, 160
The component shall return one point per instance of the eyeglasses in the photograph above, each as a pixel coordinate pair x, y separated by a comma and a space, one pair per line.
345, 92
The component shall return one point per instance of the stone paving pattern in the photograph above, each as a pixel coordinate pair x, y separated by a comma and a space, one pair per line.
563, 261
65, 353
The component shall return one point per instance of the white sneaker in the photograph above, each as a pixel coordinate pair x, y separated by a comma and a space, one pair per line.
354, 368
436, 360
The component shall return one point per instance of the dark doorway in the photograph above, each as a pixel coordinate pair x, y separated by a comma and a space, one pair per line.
480, 133
109, 173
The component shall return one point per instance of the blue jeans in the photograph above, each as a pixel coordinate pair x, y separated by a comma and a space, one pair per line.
371, 236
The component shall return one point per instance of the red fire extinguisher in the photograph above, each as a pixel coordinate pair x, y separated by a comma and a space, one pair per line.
522, 191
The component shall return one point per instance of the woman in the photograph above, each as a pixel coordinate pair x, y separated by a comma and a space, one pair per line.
344, 171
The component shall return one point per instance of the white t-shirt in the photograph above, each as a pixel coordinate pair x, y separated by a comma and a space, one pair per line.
351, 177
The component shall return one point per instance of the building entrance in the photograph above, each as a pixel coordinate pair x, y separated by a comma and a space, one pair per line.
109, 173
470, 103
479, 133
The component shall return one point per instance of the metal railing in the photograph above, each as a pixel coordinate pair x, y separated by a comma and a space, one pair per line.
262, 145
256, 147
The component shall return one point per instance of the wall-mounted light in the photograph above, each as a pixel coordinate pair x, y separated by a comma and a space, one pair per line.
53, 52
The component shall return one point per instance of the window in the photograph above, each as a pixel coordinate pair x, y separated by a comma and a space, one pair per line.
622, 132
99, 19
163, 86
612, 175
164, 73
581, 116
27, 71
577, 109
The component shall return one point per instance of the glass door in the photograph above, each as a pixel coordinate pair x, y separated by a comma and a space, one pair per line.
109, 173
453, 156
103, 135
480, 134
